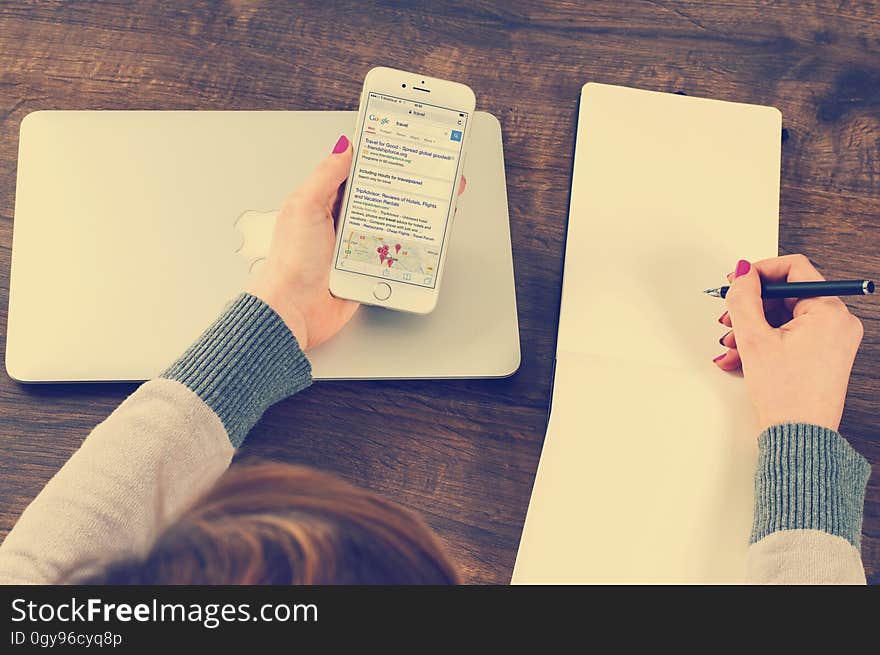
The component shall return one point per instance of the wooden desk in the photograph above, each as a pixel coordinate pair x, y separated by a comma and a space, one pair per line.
463, 453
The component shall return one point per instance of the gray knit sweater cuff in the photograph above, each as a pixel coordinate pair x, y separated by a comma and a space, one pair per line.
247, 360
809, 478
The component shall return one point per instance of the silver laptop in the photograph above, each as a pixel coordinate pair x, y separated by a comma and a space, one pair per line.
133, 230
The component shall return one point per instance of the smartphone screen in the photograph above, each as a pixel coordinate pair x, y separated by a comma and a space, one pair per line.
403, 184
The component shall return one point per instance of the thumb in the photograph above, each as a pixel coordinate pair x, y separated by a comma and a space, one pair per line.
744, 302
324, 181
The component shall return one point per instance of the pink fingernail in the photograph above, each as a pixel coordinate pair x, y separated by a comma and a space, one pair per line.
722, 317
719, 358
341, 145
742, 267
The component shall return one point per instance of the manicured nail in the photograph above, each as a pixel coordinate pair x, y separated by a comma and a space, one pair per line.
719, 358
742, 267
722, 317
341, 145
721, 340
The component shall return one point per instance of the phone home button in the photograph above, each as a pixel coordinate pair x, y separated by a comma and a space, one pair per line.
382, 291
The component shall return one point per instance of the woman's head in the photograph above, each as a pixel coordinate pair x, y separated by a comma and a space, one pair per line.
274, 523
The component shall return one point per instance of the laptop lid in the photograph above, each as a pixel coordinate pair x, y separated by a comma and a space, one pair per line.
133, 229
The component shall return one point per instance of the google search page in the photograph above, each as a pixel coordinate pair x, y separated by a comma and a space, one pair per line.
404, 178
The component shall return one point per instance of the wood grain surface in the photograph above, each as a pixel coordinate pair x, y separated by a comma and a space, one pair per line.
463, 453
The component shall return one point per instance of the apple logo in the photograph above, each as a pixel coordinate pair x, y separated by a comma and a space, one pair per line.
255, 229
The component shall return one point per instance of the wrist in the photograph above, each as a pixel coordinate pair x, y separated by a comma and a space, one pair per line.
295, 321
768, 421
289, 312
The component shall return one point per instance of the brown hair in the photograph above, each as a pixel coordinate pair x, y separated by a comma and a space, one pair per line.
273, 523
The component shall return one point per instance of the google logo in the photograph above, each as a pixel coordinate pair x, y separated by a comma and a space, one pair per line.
382, 121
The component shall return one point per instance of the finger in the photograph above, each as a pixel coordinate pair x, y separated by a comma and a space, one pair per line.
724, 319
728, 340
744, 303
795, 268
789, 268
775, 309
729, 361
323, 183
462, 185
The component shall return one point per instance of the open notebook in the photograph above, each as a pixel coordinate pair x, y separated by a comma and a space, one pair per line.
647, 469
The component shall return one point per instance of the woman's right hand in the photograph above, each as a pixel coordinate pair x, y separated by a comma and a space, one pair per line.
796, 355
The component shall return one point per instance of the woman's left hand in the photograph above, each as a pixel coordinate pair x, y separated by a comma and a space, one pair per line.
295, 279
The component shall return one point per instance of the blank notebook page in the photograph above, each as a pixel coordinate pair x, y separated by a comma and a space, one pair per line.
648, 463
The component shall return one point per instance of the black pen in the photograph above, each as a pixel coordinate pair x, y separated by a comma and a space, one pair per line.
806, 289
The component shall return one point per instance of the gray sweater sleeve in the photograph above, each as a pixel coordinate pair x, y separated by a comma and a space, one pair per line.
243, 363
164, 446
809, 497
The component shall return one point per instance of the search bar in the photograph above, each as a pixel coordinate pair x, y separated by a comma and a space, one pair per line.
406, 127
418, 110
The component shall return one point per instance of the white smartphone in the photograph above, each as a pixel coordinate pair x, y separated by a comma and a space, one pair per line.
396, 214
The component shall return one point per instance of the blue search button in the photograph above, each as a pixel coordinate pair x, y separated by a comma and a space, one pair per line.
455, 135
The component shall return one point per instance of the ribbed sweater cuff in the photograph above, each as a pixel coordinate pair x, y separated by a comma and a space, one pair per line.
809, 478
246, 361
